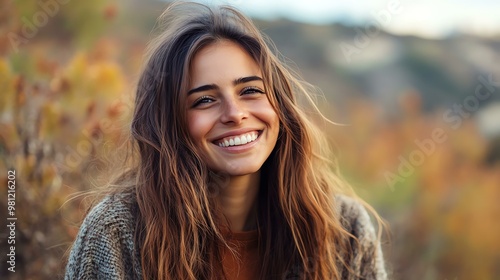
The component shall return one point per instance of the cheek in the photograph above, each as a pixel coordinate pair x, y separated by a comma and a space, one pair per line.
268, 114
199, 126
273, 119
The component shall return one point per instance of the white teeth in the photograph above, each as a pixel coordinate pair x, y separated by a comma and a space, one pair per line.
239, 140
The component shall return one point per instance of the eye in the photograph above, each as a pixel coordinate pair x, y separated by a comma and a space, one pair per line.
203, 100
252, 90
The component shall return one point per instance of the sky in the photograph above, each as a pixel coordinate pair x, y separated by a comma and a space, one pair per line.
425, 18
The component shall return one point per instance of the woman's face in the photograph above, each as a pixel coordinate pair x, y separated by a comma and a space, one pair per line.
230, 119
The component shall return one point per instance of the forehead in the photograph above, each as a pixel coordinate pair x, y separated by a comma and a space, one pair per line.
220, 62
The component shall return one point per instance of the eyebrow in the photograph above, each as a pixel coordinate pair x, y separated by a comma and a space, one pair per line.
235, 82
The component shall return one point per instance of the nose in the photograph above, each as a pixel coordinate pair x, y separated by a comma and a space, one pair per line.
234, 111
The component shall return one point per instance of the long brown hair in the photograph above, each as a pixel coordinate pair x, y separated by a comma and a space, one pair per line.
178, 232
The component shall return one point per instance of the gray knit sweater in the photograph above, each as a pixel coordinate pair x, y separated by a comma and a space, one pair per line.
104, 247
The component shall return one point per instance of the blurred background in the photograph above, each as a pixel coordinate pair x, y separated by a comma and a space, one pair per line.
415, 85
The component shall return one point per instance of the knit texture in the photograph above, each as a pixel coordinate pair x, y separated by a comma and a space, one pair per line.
104, 247
367, 261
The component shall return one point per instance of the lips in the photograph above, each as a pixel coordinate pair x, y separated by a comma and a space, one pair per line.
238, 139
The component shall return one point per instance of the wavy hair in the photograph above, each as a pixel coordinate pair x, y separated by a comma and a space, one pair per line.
177, 215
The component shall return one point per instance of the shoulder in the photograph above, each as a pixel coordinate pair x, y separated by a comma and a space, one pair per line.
354, 217
366, 261
109, 220
112, 211
104, 247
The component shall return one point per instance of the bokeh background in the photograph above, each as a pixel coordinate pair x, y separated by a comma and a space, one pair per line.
414, 85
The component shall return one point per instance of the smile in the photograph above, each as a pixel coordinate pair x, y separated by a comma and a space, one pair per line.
238, 140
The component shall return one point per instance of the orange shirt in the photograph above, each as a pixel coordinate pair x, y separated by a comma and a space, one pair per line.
247, 266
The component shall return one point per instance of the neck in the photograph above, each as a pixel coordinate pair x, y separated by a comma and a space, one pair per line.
238, 200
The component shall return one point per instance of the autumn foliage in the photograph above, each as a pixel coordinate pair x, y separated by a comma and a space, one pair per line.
66, 97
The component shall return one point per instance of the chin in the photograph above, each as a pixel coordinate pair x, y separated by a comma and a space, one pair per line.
239, 170
241, 173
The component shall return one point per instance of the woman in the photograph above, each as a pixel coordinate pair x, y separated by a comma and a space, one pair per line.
232, 180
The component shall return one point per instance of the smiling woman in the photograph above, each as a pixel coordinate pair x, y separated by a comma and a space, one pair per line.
232, 180
230, 118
